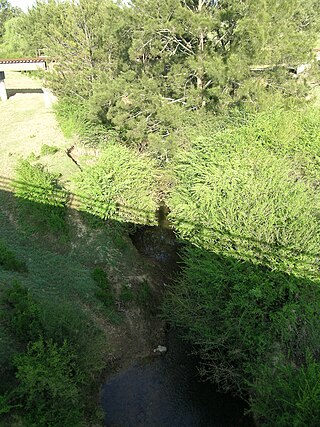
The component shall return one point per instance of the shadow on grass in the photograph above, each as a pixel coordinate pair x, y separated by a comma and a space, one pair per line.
121, 213
228, 306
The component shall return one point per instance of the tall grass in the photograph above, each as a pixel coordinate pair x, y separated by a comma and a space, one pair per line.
246, 202
121, 185
74, 120
42, 199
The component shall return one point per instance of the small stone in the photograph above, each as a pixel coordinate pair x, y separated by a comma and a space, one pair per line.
160, 349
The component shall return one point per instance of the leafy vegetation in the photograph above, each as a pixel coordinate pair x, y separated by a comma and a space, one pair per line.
42, 198
120, 185
47, 150
246, 201
8, 260
75, 121
145, 70
48, 385
104, 293
193, 103
288, 395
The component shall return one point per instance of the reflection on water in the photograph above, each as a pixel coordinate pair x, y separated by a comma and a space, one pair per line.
166, 392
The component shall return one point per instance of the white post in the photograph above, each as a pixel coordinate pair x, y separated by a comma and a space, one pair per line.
3, 91
48, 96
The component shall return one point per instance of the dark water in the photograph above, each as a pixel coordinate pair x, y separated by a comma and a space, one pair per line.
166, 392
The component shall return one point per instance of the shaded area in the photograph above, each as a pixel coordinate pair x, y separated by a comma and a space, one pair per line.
166, 392
78, 202
12, 92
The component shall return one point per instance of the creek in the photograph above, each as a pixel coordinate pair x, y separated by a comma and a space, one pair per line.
166, 390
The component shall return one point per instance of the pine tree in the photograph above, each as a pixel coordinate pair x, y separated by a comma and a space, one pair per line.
187, 56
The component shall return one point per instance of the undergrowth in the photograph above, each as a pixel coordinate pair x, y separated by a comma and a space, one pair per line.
9, 261
42, 200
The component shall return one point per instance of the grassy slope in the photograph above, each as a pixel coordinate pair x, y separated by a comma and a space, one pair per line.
60, 269
26, 125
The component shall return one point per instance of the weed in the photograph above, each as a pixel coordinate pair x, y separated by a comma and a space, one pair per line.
41, 198
104, 292
143, 295
47, 150
8, 260
127, 294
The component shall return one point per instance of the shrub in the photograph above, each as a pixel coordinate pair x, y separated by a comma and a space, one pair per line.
8, 260
288, 395
22, 314
235, 196
41, 196
121, 185
104, 293
74, 120
48, 385
245, 200
47, 150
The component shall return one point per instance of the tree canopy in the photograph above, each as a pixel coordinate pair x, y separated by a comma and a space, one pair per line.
147, 67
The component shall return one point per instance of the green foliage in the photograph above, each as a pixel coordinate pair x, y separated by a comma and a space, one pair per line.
288, 395
245, 199
14, 44
104, 293
48, 385
148, 69
6, 13
121, 185
8, 260
143, 295
127, 294
5, 405
22, 315
41, 197
245, 192
47, 150
78, 35
74, 120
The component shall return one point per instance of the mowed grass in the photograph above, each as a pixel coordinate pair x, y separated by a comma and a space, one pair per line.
26, 125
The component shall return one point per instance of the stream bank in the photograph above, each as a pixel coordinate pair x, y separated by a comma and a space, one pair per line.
166, 390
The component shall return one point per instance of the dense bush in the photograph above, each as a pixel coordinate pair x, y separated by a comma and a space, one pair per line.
74, 120
246, 202
288, 395
22, 314
104, 292
51, 371
121, 185
41, 197
48, 385
241, 193
9, 261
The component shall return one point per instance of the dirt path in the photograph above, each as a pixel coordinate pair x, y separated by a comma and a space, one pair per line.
26, 125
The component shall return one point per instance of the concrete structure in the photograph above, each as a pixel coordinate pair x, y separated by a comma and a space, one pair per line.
23, 64
3, 92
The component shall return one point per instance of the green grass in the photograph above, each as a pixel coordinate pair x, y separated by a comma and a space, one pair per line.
27, 125
47, 150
